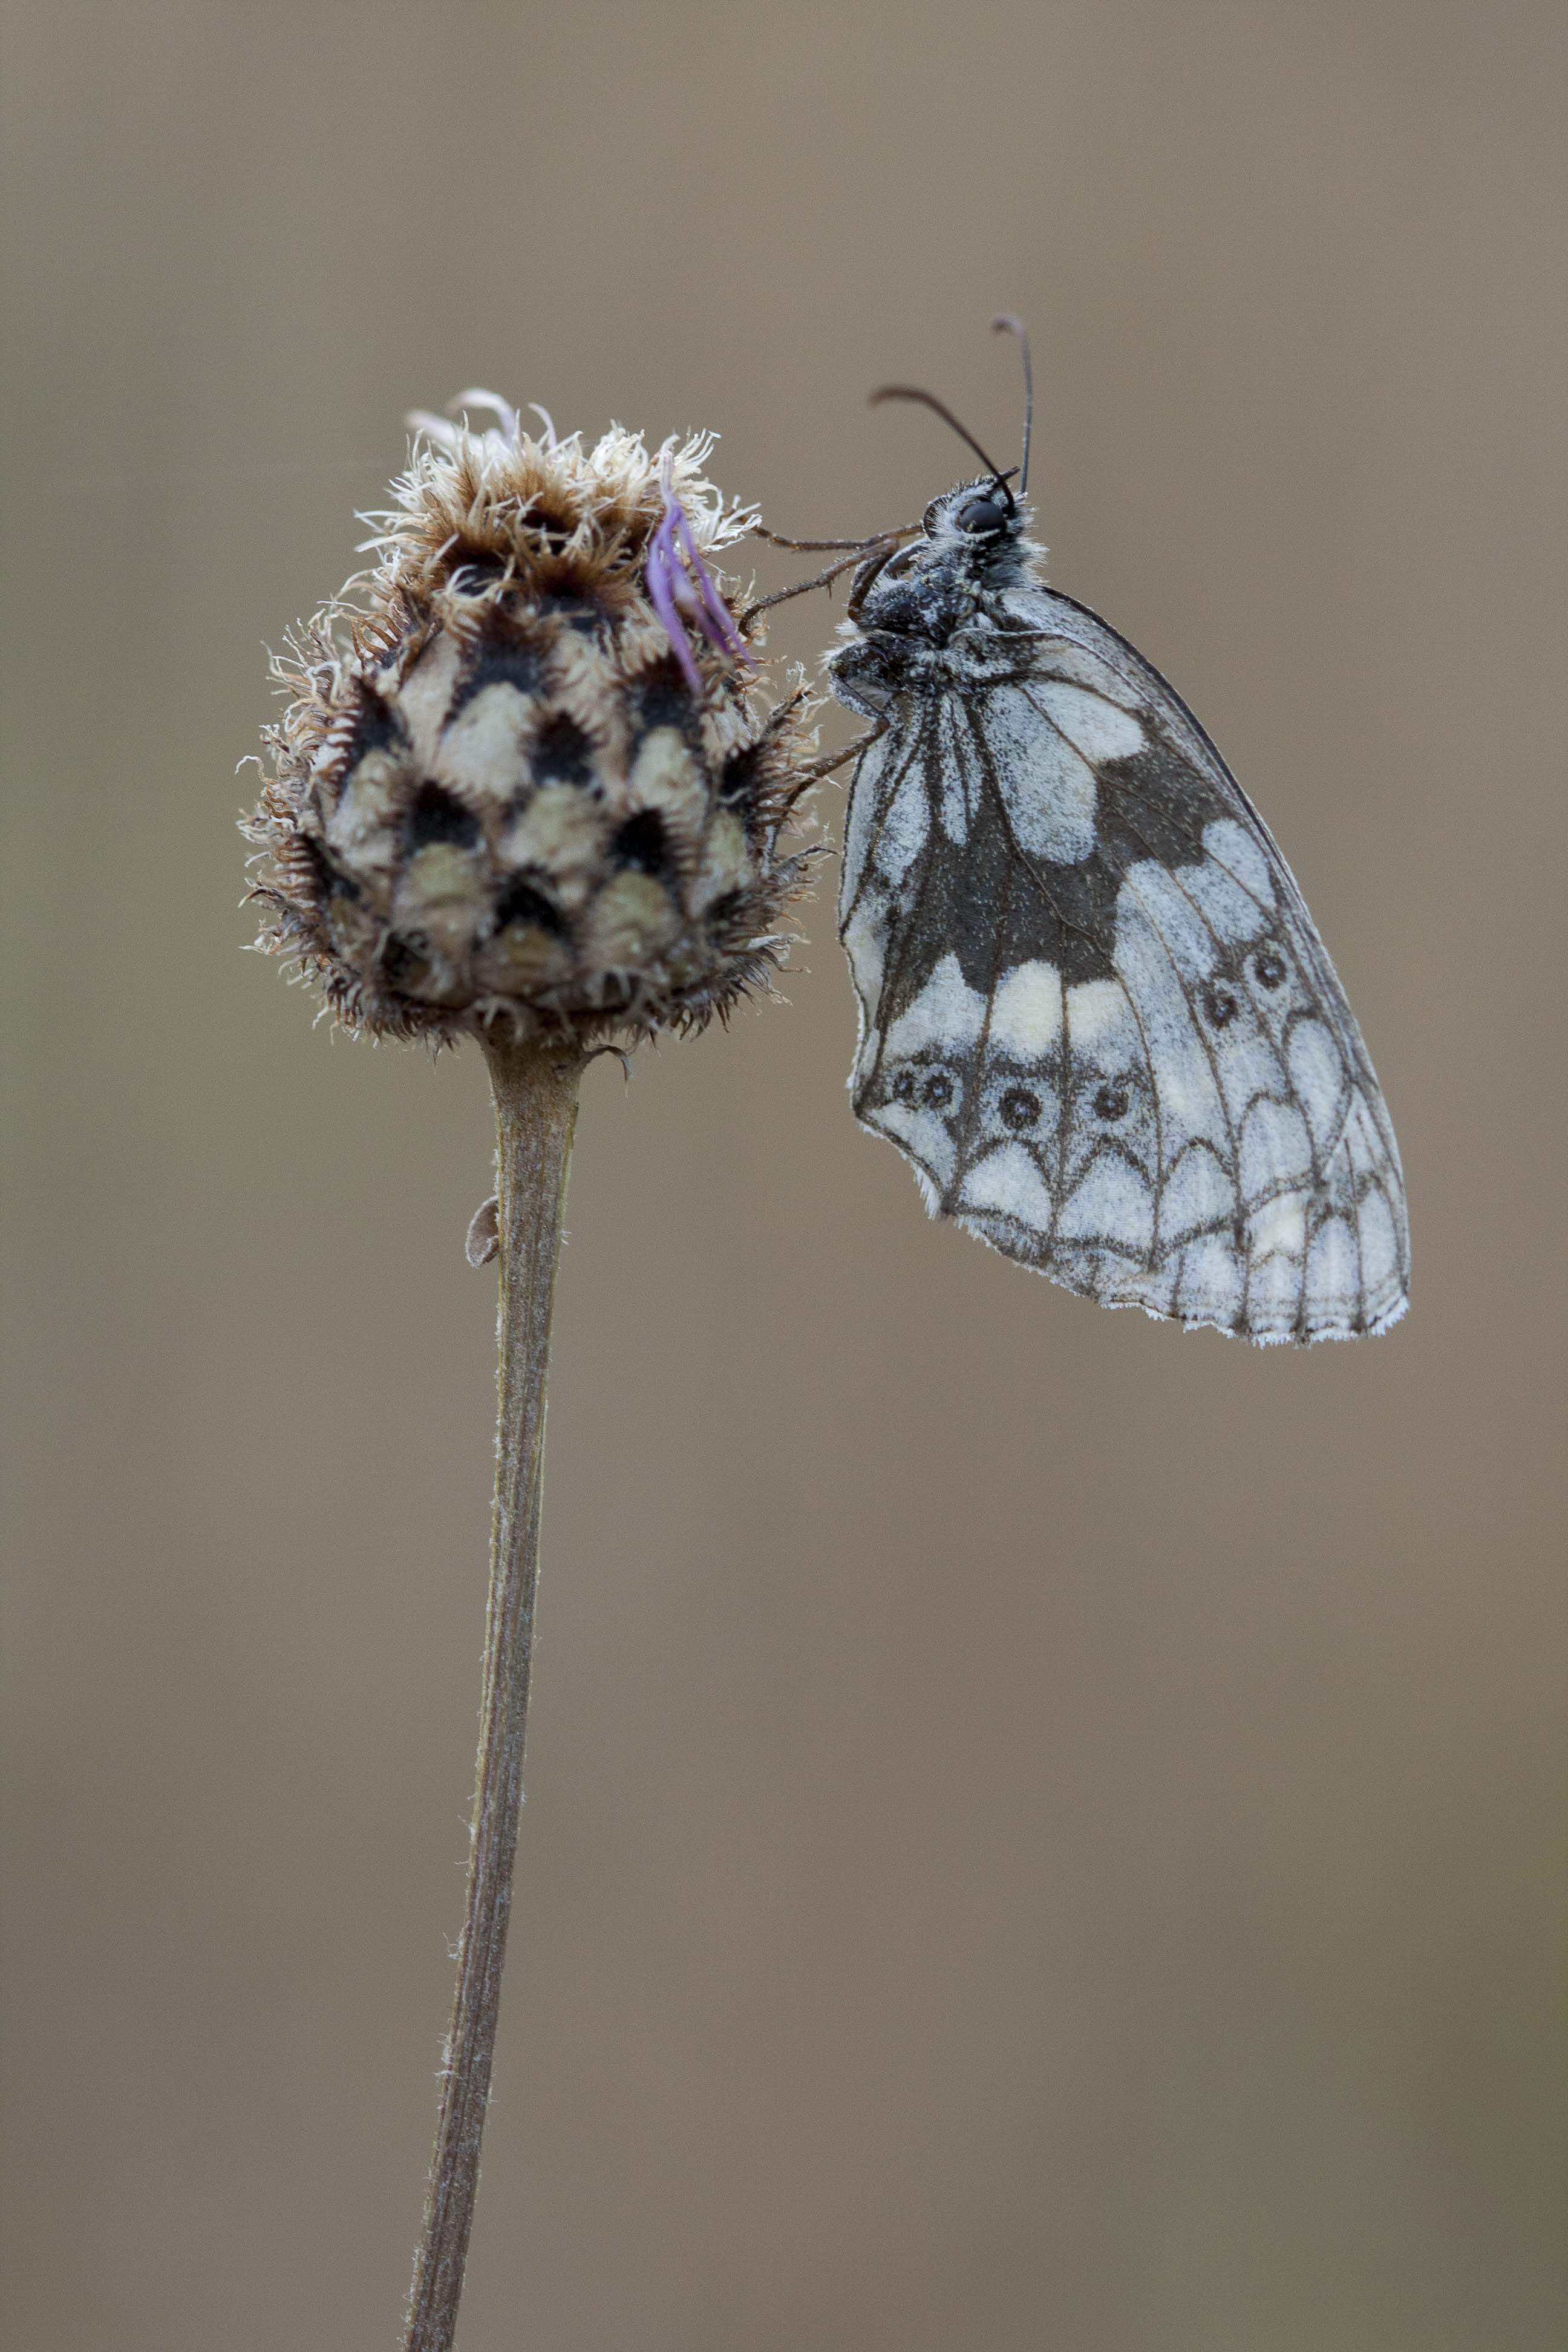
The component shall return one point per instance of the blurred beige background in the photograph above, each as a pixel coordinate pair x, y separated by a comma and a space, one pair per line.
1041, 1830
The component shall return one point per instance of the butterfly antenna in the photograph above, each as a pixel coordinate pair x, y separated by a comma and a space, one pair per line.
930, 400
1008, 325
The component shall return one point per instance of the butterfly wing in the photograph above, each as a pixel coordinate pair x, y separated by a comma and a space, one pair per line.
1096, 1015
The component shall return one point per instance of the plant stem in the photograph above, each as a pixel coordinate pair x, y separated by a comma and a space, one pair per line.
535, 1090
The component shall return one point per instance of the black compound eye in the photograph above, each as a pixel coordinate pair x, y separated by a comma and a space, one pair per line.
1019, 1108
1219, 1005
981, 515
937, 1092
1112, 1099
904, 1087
1269, 966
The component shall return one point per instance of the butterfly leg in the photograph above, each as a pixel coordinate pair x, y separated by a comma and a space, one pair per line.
877, 549
816, 546
805, 777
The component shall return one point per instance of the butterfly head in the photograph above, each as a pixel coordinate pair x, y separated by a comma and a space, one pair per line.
971, 546
978, 509
974, 534
979, 530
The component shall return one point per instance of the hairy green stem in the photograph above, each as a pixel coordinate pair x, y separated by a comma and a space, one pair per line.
535, 1090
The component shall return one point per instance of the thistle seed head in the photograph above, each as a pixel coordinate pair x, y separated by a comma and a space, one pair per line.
527, 775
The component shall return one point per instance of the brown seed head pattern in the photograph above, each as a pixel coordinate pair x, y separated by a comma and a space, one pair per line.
494, 796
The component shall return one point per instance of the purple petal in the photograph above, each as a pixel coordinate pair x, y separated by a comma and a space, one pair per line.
715, 620
661, 570
677, 588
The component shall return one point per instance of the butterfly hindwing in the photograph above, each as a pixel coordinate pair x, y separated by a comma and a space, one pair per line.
1096, 1015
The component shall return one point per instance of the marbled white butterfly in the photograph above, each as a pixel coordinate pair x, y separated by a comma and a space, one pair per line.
1094, 1014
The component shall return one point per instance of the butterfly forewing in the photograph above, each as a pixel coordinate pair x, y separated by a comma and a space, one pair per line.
1096, 1015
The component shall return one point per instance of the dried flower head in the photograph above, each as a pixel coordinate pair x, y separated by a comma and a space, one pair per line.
526, 773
